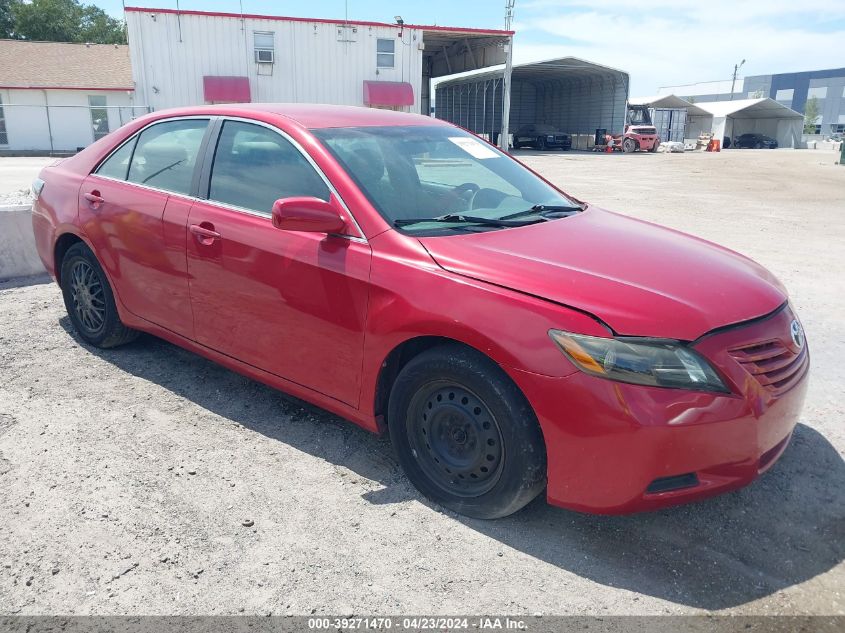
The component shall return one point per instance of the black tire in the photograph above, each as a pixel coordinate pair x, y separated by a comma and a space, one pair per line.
541, 143
465, 435
89, 300
629, 145
758, 145
654, 147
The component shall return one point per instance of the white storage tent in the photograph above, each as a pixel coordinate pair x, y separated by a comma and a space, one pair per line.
763, 116
573, 95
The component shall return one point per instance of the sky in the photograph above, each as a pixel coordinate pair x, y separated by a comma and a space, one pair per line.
658, 42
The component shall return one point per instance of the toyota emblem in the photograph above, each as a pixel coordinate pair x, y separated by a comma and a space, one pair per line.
797, 333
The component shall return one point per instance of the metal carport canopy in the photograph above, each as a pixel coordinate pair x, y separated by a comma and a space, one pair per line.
670, 102
573, 94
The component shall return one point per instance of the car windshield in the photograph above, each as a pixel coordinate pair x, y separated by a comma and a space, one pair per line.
439, 178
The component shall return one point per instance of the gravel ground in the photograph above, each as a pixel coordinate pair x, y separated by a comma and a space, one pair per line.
147, 480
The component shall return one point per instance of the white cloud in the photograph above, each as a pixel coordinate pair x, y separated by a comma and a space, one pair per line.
664, 42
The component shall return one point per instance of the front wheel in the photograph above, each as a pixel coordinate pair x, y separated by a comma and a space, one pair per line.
541, 143
629, 146
465, 435
89, 300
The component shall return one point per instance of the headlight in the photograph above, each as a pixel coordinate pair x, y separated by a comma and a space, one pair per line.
640, 362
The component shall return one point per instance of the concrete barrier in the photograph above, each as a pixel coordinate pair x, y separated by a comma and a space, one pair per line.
18, 257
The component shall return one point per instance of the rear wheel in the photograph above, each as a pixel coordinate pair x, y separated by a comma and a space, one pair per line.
629, 145
654, 147
465, 435
89, 300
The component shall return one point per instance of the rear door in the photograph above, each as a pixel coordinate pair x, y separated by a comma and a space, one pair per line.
291, 303
134, 209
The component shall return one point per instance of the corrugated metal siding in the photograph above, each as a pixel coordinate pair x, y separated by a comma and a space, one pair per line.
474, 105
575, 106
311, 64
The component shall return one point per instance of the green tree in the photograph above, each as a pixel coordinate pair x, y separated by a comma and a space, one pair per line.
6, 19
811, 115
99, 27
64, 21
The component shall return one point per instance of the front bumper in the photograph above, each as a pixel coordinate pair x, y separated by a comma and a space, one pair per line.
613, 448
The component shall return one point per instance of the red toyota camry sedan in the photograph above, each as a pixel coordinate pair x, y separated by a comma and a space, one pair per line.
410, 277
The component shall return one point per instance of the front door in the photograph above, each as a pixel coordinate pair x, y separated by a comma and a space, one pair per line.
291, 303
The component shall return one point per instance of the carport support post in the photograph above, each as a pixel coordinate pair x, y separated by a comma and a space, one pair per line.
506, 95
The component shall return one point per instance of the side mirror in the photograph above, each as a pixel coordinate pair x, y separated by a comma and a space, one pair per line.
309, 214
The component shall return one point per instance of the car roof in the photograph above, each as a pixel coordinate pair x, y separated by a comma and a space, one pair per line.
313, 115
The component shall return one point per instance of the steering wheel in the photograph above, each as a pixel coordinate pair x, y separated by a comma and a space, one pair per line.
464, 188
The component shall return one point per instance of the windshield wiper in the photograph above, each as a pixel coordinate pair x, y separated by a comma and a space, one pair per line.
544, 211
470, 219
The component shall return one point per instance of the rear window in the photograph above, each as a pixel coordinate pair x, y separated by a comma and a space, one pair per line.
166, 155
117, 165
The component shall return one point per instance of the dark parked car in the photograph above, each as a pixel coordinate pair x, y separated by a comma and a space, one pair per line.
755, 141
541, 137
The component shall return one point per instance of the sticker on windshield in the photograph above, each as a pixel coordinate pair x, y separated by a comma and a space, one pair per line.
474, 148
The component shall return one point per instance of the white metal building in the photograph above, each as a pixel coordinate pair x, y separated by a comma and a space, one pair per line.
193, 57
574, 96
58, 97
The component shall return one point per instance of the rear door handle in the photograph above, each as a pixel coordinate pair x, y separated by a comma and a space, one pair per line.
94, 199
205, 234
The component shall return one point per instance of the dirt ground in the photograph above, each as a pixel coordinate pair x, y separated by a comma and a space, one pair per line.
126, 476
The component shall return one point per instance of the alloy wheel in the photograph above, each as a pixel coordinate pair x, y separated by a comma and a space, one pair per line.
88, 296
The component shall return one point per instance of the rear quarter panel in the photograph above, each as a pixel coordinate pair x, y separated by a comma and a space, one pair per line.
56, 211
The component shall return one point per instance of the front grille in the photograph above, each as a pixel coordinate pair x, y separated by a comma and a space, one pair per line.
775, 366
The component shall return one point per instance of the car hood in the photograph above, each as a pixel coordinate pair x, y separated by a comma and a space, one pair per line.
639, 278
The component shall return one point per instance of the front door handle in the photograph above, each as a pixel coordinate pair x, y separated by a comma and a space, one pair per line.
205, 233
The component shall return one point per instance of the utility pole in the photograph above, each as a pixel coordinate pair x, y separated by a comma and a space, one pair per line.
733, 83
506, 80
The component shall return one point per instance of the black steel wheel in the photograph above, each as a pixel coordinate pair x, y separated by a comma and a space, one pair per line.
89, 299
455, 439
465, 435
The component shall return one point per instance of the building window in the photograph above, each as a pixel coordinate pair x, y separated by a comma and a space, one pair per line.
385, 53
265, 47
99, 115
785, 95
818, 93
4, 138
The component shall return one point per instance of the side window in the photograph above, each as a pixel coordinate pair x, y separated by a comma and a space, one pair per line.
254, 166
385, 52
117, 165
166, 155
